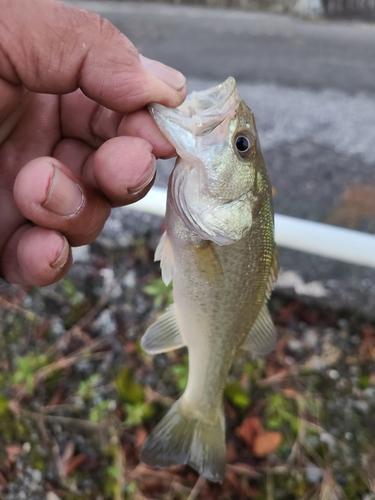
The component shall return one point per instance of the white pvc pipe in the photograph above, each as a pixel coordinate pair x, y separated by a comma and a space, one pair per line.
325, 240
334, 242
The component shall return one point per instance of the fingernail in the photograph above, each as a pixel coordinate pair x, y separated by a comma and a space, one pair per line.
64, 255
168, 75
152, 172
64, 195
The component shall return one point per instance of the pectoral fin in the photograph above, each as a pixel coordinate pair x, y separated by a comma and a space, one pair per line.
207, 262
262, 336
164, 253
164, 335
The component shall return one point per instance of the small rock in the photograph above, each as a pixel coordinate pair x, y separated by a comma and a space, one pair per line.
295, 345
361, 406
26, 447
52, 496
334, 374
130, 279
328, 439
81, 254
310, 337
105, 323
36, 475
313, 473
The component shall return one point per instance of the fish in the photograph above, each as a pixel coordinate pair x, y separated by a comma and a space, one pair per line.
219, 251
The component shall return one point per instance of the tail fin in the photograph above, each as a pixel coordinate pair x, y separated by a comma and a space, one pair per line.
185, 439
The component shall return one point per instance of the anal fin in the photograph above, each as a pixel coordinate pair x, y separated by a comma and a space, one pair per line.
164, 335
262, 336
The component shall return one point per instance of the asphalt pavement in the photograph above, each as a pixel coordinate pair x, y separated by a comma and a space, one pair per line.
311, 86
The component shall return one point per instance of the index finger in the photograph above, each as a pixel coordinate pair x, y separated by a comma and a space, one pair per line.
52, 47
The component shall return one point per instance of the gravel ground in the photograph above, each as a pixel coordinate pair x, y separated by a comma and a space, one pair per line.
78, 397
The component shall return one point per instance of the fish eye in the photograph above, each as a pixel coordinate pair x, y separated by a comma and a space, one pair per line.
244, 144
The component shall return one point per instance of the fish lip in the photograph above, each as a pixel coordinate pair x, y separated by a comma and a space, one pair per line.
202, 111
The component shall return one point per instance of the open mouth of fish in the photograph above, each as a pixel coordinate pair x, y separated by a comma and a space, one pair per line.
202, 111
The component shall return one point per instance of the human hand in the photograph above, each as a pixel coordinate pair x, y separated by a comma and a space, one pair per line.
75, 137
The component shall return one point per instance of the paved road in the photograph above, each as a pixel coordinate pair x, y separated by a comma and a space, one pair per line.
312, 89
253, 47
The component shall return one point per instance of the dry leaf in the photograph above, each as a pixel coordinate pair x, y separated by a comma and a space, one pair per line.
289, 392
140, 437
14, 407
249, 428
131, 347
12, 451
231, 451
243, 469
74, 462
266, 442
3, 482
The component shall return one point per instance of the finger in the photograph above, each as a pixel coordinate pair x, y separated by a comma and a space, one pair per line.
141, 124
52, 196
76, 154
35, 256
123, 168
52, 47
94, 124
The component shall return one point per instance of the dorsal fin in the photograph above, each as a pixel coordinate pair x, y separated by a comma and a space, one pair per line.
262, 336
274, 270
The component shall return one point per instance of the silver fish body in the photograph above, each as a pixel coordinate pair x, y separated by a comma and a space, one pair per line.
219, 251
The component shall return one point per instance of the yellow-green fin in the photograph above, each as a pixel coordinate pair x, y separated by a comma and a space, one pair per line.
207, 262
164, 335
274, 270
262, 336
187, 439
164, 253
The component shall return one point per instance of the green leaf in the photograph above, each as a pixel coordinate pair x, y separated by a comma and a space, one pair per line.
129, 390
100, 412
364, 381
114, 471
237, 395
136, 414
86, 388
26, 368
3, 404
161, 293
180, 374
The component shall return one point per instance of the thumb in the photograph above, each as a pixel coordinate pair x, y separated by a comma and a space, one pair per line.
51, 47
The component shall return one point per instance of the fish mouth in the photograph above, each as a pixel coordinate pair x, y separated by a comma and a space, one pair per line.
201, 112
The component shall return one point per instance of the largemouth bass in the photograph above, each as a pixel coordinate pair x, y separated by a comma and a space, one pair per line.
219, 251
